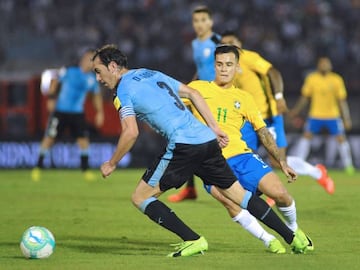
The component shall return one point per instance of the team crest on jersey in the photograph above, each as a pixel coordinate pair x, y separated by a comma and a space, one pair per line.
206, 52
117, 103
237, 104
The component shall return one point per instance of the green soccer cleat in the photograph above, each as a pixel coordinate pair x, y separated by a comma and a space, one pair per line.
310, 246
275, 246
89, 176
36, 174
300, 242
189, 248
350, 170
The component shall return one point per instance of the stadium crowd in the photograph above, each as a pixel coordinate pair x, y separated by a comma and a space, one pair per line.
157, 33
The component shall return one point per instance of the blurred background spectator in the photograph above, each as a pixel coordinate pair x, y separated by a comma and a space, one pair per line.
40, 34
37, 34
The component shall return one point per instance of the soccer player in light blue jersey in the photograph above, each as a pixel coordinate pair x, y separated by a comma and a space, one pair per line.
66, 101
204, 44
203, 47
193, 148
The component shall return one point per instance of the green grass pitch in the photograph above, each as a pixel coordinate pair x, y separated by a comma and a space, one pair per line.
96, 226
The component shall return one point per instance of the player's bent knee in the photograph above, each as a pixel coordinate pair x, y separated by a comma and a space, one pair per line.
283, 198
136, 199
308, 135
340, 139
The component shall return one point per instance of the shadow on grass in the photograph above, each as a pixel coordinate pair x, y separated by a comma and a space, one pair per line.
108, 245
11, 245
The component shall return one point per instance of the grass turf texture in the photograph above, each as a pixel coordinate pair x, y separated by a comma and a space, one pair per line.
96, 226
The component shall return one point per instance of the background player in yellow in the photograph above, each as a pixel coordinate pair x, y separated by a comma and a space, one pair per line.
258, 77
231, 107
328, 110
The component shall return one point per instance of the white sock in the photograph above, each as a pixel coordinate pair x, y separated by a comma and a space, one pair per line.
331, 151
303, 168
345, 154
249, 223
44, 151
303, 148
289, 213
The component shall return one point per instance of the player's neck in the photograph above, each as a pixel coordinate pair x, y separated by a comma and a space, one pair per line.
223, 85
323, 73
120, 74
122, 71
205, 36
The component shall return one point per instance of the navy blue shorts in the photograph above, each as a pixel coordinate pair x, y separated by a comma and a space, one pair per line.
59, 122
181, 161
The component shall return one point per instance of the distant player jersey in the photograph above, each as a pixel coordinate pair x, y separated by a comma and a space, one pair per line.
153, 97
203, 54
325, 91
253, 79
231, 108
75, 84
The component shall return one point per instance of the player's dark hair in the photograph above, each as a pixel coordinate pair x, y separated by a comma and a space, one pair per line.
109, 53
226, 48
229, 33
85, 50
202, 9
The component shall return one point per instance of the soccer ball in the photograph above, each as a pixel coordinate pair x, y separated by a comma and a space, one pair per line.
37, 243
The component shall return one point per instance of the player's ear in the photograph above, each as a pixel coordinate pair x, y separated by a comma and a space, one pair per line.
238, 68
113, 67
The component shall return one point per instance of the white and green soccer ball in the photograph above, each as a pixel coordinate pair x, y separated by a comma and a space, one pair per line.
37, 243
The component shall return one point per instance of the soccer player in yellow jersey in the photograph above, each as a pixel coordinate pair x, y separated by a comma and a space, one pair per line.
264, 82
203, 47
231, 107
328, 110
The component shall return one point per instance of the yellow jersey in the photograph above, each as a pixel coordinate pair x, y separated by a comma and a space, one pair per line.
324, 91
253, 79
231, 107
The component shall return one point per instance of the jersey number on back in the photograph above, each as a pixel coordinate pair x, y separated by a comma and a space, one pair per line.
177, 102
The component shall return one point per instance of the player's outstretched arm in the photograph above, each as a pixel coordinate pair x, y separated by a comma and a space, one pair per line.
52, 95
270, 145
201, 106
277, 86
98, 104
129, 134
345, 113
299, 106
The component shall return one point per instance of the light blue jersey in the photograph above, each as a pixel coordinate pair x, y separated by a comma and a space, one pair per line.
203, 54
75, 84
153, 97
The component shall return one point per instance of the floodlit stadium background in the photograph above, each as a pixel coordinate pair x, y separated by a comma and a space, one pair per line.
41, 34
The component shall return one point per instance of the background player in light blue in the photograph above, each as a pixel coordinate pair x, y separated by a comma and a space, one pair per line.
65, 102
193, 148
204, 44
203, 47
